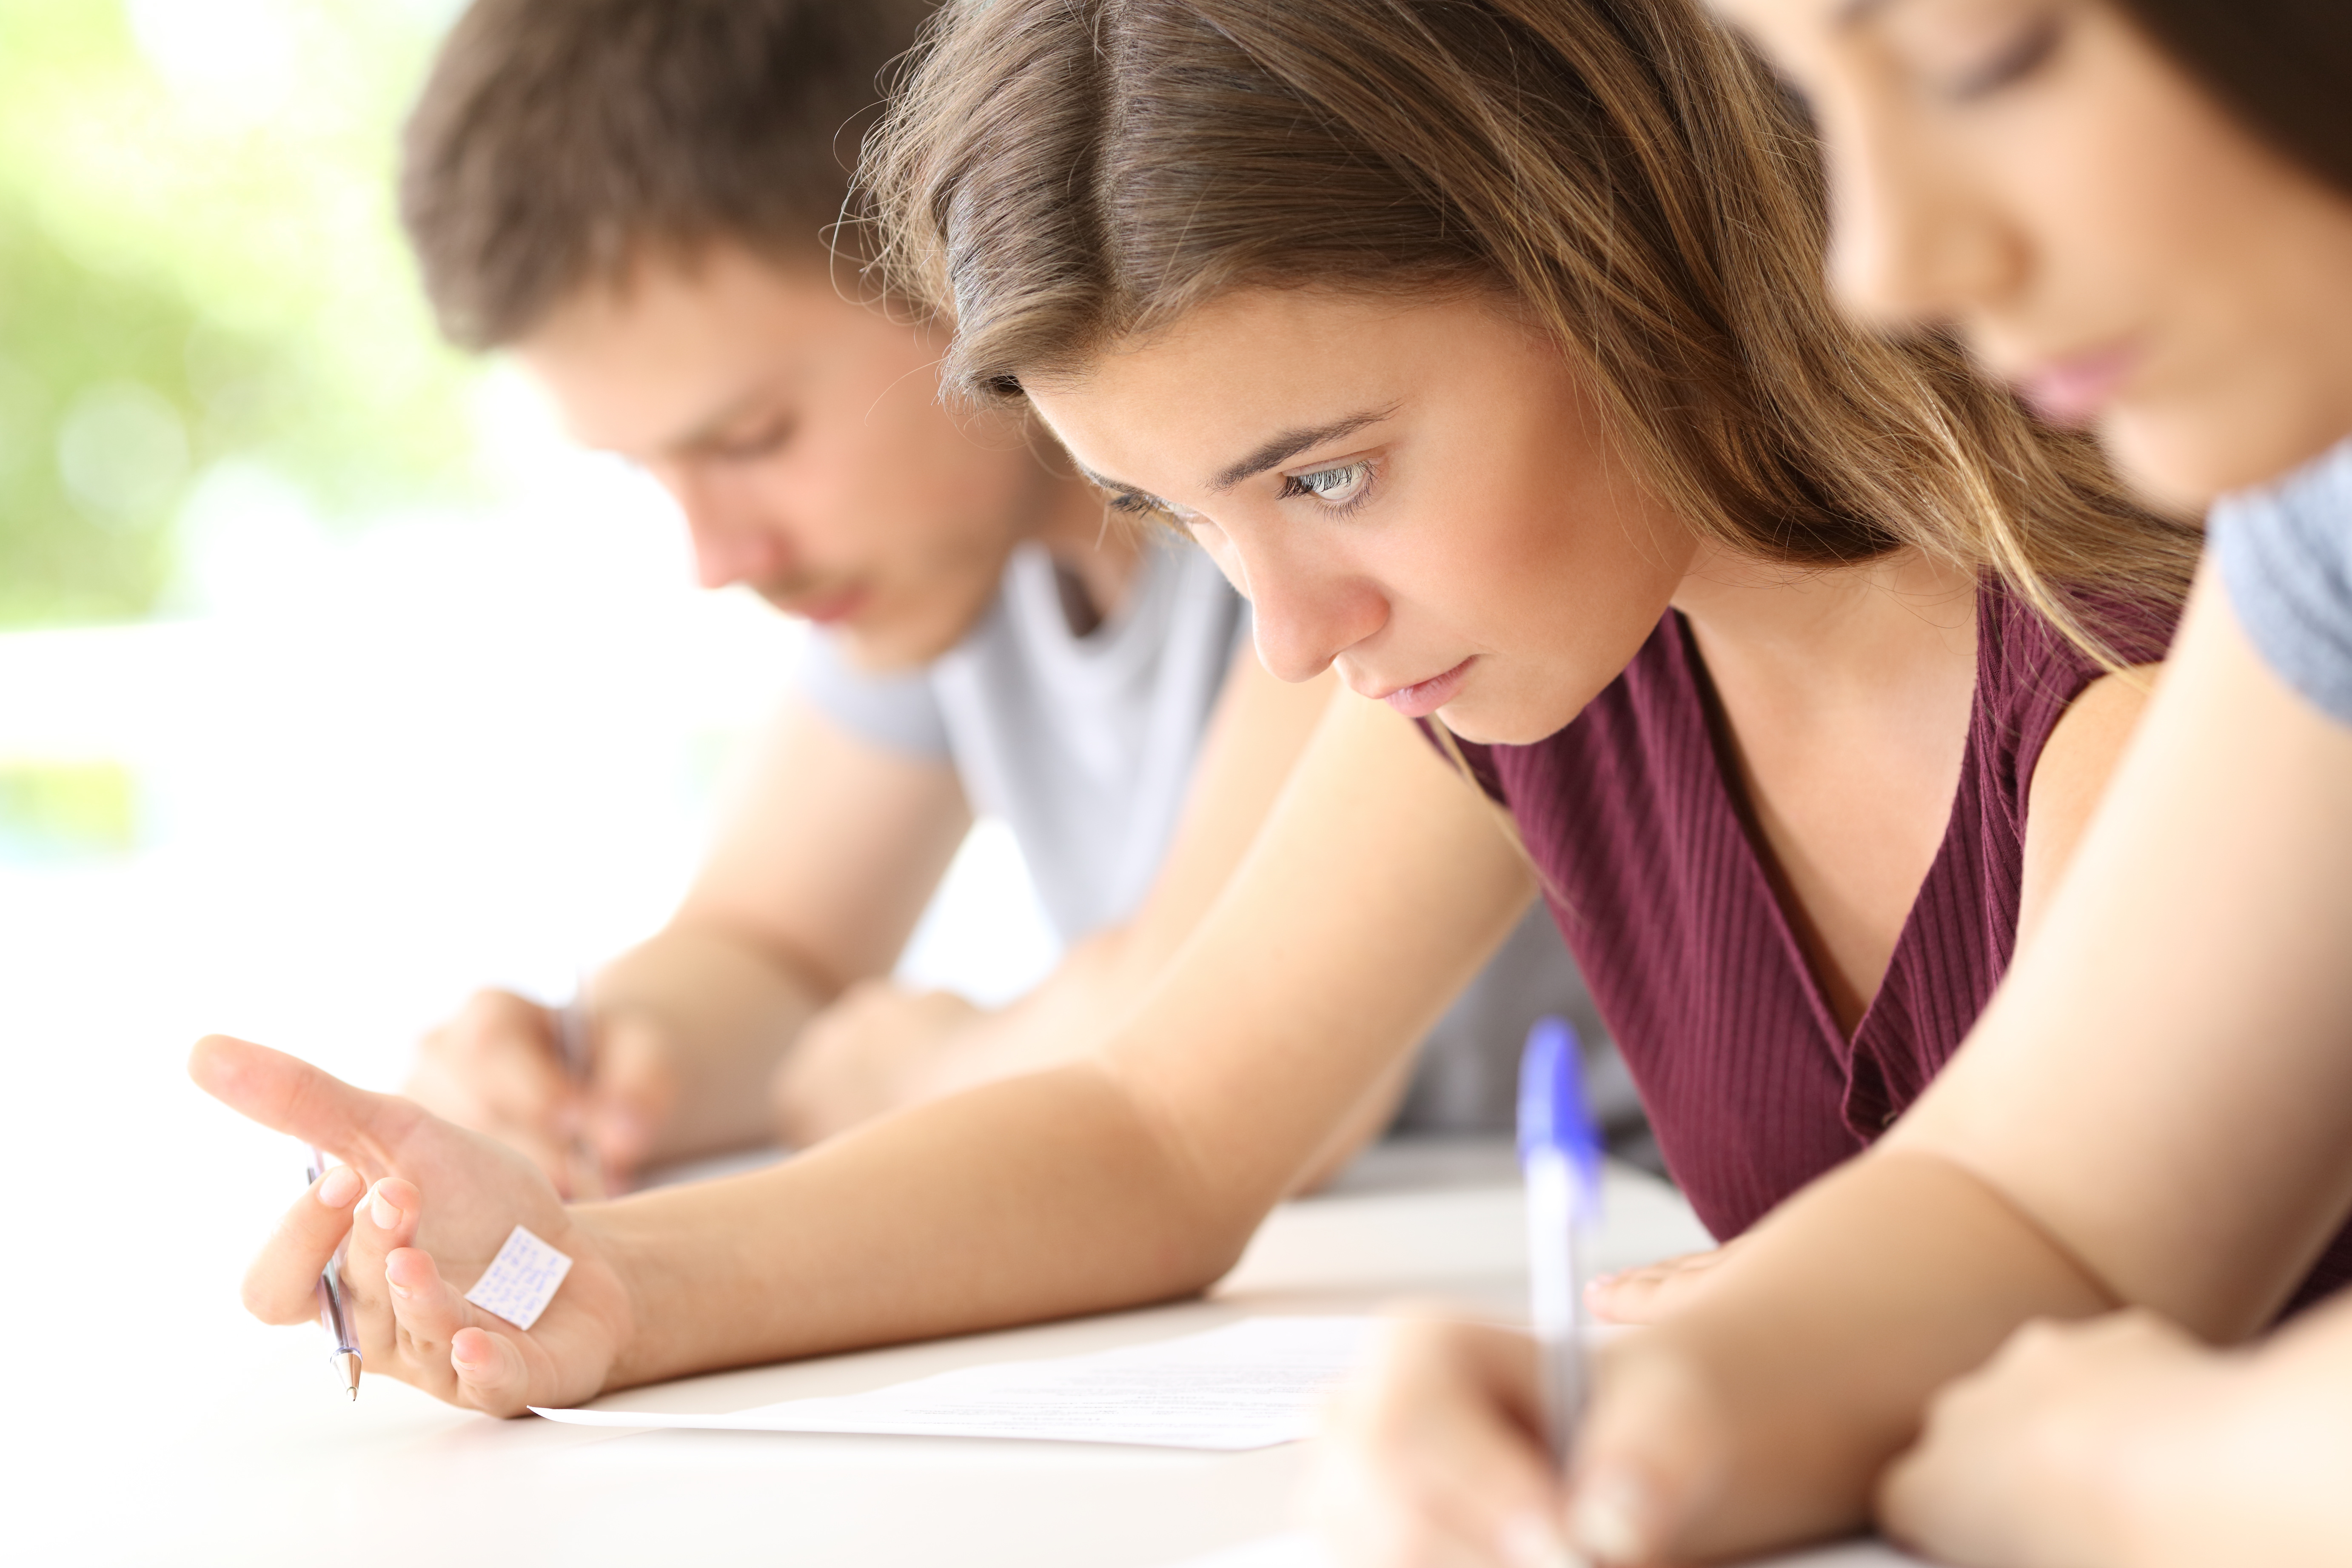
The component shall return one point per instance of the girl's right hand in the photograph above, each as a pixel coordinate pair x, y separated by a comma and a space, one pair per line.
421, 1208
1434, 1457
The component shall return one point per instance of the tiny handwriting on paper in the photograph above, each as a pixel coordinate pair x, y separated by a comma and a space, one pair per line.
521, 1280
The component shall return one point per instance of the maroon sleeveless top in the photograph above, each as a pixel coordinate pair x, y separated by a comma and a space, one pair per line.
1638, 821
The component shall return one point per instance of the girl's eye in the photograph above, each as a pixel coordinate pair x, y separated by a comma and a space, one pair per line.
2019, 58
1339, 487
1135, 503
750, 448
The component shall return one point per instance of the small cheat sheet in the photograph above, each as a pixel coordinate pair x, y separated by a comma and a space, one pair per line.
1251, 1385
521, 1279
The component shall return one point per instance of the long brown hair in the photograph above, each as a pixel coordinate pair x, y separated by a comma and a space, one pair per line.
1059, 175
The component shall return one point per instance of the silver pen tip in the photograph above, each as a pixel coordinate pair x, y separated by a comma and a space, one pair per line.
346, 1365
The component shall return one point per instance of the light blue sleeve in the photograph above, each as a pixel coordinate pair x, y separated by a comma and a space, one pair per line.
2286, 553
897, 712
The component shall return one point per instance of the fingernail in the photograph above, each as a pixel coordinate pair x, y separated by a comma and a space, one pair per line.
1610, 1521
382, 1210
1532, 1540
463, 1357
340, 1188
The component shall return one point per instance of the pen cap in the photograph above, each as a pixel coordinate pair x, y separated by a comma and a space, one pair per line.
1553, 1115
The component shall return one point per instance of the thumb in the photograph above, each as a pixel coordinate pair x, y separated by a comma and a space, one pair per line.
288, 1095
1651, 1457
631, 1093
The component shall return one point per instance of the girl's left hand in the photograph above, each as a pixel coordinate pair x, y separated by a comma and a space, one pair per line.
1650, 1293
2029, 1462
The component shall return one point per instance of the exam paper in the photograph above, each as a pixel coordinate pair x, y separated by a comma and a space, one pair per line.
1251, 1385
1300, 1550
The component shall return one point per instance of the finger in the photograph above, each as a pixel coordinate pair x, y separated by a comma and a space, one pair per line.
385, 1221
631, 1095
491, 1373
282, 1284
1648, 1294
1652, 1453
1443, 1432
442, 1344
288, 1095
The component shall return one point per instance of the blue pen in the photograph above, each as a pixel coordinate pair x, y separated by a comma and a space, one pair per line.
1560, 1152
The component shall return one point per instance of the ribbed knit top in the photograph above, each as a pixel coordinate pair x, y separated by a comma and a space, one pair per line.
1636, 817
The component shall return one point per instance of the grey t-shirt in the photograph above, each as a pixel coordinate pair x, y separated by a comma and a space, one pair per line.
1085, 747
2287, 555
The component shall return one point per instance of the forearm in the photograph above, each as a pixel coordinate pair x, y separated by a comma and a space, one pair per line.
952, 1217
726, 1011
1829, 1330
1073, 1011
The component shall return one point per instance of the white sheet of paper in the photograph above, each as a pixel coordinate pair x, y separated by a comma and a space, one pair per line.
1300, 1550
1251, 1385
521, 1279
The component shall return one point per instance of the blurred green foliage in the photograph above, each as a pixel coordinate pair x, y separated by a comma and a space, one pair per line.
67, 811
199, 266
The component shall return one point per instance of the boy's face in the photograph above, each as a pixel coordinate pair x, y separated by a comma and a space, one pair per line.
804, 437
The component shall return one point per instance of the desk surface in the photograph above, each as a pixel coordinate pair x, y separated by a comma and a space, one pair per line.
259, 1462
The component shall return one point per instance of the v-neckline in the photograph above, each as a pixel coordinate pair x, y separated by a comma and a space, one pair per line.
1730, 797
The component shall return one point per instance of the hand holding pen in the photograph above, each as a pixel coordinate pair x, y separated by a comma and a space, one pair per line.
575, 1044
334, 1315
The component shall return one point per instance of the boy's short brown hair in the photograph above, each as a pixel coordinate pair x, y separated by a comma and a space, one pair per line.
556, 140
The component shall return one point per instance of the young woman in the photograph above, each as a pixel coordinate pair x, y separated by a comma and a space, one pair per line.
2141, 213
1483, 346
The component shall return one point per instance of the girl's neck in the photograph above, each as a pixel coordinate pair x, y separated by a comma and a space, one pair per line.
1843, 699
1834, 632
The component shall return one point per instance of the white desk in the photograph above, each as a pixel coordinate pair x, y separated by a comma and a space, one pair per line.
269, 1465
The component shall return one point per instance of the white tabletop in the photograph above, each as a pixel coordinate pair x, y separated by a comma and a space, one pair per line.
252, 1457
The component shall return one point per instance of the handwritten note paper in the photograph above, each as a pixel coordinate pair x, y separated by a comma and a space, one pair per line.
521, 1280
1301, 1550
1251, 1385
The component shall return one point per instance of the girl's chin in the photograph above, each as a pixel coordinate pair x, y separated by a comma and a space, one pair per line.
1491, 724
2181, 457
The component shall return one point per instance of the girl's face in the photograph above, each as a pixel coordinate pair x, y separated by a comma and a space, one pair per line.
2037, 173
1421, 493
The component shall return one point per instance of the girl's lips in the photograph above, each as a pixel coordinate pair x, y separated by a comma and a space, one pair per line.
2072, 393
1422, 698
831, 607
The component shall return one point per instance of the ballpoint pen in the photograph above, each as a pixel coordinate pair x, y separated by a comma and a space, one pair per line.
1560, 1152
332, 1316
575, 1044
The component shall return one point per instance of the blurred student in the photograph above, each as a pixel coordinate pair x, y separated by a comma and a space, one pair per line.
1495, 365
2140, 214
635, 198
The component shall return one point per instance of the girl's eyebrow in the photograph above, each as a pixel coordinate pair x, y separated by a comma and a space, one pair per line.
1289, 444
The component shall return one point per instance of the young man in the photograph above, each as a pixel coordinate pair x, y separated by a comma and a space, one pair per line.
635, 198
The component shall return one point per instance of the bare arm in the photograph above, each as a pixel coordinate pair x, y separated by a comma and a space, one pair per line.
882, 1049
1378, 888
814, 884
